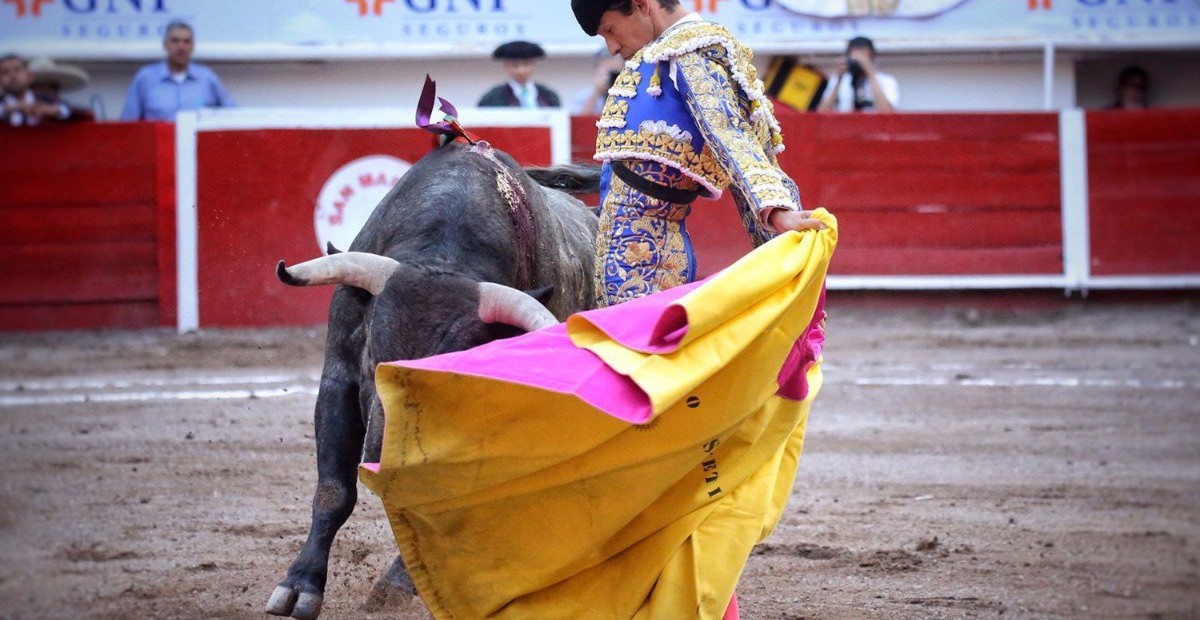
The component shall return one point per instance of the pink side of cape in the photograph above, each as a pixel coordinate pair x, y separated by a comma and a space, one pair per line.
548, 360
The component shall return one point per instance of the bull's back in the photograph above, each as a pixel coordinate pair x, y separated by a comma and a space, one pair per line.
444, 209
448, 209
571, 252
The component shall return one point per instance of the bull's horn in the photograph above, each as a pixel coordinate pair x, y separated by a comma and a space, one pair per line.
503, 304
362, 269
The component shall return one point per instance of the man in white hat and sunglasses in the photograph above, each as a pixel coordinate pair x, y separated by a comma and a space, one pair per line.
31, 91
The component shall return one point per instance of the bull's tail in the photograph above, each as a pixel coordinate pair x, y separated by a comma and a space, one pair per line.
569, 178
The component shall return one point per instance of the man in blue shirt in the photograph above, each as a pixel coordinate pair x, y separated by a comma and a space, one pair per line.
160, 90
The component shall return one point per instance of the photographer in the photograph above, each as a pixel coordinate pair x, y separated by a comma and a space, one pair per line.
866, 89
590, 101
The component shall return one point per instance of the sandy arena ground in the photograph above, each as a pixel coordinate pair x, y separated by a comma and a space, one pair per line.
973, 462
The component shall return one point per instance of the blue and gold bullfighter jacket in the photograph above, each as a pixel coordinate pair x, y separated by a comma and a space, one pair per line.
687, 112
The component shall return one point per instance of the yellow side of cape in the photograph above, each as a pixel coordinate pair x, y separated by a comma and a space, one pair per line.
508, 501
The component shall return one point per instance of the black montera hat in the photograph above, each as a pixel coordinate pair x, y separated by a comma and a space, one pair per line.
518, 50
588, 12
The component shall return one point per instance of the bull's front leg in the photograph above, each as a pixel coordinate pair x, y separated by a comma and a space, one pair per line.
339, 437
394, 589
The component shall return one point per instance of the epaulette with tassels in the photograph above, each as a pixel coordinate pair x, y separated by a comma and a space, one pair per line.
699, 35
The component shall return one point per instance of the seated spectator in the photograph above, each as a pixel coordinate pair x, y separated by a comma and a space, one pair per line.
159, 91
1133, 89
590, 101
868, 89
520, 91
22, 107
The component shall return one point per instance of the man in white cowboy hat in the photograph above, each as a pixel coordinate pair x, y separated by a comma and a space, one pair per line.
52, 79
23, 105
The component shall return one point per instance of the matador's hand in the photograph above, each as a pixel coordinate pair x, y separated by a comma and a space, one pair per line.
783, 220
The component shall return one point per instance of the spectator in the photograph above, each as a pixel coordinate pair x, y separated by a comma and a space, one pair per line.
51, 79
162, 89
10, 66
518, 59
590, 101
22, 107
867, 90
1133, 88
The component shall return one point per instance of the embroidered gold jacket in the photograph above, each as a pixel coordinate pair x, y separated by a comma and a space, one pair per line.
692, 100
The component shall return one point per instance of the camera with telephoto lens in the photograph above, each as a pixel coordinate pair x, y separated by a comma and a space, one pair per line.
856, 70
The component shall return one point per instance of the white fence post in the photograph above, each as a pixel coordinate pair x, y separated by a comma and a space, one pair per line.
186, 237
1072, 145
1048, 76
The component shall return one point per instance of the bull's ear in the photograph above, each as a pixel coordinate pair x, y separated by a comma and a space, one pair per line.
330, 250
543, 294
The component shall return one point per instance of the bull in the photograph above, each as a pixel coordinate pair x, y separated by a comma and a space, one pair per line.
468, 247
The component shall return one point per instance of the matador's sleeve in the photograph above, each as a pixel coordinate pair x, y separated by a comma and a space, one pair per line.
736, 143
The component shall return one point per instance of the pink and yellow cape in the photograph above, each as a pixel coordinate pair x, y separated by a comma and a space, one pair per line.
619, 465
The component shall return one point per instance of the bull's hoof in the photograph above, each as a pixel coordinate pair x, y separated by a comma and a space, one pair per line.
286, 601
393, 590
283, 599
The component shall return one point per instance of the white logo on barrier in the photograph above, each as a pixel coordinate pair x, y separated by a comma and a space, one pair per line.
351, 194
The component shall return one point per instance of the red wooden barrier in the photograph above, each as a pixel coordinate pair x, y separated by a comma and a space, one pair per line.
583, 138
87, 229
915, 194
257, 194
82, 211
1144, 190
925, 194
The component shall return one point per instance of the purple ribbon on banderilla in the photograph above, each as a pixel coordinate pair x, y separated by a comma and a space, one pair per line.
448, 126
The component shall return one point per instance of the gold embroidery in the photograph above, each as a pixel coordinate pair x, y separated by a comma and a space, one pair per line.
645, 143
737, 59
628, 79
641, 248
743, 147
729, 100
740, 138
616, 106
